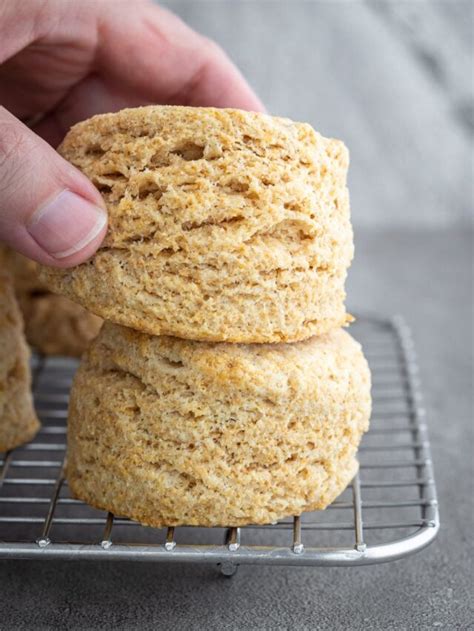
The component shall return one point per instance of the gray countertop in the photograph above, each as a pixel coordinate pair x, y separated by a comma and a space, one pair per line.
425, 275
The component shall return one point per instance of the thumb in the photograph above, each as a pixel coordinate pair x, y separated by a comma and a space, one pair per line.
49, 211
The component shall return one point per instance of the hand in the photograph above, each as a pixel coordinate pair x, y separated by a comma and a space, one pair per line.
63, 61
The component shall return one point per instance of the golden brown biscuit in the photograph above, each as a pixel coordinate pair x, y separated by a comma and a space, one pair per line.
18, 421
224, 225
54, 325
172, 432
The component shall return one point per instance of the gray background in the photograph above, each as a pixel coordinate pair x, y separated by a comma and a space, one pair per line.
391, 79
394, 80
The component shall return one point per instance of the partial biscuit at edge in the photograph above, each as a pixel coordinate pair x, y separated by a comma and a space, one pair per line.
18, 420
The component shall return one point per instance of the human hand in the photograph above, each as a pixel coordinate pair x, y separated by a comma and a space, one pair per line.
63, 61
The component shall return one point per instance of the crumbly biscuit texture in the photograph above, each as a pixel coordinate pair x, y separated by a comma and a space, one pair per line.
54, 325
224, 225
173, 432
18, 421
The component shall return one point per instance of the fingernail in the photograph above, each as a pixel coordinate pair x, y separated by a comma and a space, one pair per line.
66, 224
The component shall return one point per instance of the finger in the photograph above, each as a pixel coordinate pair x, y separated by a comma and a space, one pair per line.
156, 53
49, 212
45, 48
150, 56
91, 96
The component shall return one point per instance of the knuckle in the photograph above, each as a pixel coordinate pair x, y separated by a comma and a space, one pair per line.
12, 142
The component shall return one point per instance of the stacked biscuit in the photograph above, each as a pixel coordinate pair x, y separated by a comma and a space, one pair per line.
221, 390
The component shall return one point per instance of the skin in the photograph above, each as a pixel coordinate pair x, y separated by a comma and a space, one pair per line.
62, 61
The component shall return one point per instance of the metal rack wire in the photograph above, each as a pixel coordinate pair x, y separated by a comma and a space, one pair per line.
389, 510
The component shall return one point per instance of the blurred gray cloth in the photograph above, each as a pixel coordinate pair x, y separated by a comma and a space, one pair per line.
391, 79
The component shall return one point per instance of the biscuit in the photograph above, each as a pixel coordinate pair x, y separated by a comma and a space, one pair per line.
224, 225
174, 432
54, 325
18, 421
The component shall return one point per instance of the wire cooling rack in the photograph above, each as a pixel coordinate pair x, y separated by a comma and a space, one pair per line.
388, 511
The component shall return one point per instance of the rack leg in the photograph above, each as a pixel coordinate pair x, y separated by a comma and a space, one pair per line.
232, 541
228, 569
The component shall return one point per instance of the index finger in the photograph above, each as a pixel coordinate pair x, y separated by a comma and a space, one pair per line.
154, 52
148, 56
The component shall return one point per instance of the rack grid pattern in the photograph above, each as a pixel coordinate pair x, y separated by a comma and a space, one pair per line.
389, 510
